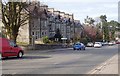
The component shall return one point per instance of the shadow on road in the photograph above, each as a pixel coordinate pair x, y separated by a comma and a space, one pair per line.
26, 57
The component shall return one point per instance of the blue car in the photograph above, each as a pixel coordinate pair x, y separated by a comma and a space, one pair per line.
79, 46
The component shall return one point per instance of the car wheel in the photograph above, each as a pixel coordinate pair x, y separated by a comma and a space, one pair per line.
20, 54
73, 48
80, 49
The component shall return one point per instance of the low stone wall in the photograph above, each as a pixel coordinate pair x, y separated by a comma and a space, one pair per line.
42, 46
46, 46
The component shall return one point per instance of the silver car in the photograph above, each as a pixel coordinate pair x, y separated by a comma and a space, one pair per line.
98, 45
90, 44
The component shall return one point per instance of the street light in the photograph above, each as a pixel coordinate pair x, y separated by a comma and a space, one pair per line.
116, 33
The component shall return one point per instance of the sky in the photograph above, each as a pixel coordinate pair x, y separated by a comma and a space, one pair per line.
83, 8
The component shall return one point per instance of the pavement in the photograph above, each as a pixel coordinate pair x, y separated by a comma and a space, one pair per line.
108, 67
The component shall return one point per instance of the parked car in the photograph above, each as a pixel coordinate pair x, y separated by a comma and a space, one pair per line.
118, 42
79, 46
104, 43
90, 44
111, 43
98, 45
9, 48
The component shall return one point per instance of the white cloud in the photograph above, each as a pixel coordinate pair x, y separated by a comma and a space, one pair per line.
110, 5
83, 8
83, 1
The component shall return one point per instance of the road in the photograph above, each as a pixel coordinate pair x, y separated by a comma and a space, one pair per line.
65, 61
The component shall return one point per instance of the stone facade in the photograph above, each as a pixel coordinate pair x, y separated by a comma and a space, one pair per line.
44, 21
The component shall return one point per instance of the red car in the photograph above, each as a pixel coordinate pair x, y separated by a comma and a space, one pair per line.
117, 42
9, 48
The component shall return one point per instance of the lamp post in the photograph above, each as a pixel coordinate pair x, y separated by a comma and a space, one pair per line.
110, 32
117, 35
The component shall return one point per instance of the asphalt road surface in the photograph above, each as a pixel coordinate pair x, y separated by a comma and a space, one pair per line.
62, 61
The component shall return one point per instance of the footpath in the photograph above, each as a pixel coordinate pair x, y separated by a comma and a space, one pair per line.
108, 67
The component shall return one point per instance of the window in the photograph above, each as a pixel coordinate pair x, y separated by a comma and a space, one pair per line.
33, 25
32, 33
36, 32
45, 23
42, 33
50, 29
36, 37
12, 44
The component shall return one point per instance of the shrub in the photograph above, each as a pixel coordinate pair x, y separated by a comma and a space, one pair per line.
84, 40
45, 39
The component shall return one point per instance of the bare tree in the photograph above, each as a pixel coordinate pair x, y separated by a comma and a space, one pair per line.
14, 15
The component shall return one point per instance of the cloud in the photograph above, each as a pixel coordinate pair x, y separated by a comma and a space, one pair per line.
83, 8
80, 1
110, 5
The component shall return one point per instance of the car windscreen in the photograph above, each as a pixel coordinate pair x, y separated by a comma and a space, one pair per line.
97, 43
77, 44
